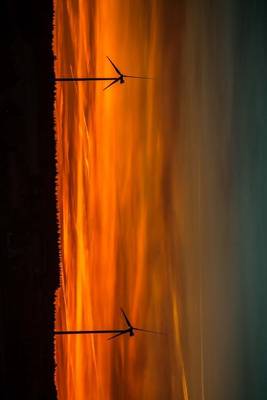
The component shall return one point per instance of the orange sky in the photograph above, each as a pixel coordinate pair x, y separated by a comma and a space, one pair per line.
161, 196
116, 207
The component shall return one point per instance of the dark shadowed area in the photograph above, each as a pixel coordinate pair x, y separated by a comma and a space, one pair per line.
29, 254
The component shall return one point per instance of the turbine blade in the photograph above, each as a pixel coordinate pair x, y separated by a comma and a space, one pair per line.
127, 321
112, 83
137, 77
146, 330
118, 334
114, 66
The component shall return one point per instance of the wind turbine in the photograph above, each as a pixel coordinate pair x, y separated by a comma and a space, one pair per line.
120, 78
118, 332
132, 328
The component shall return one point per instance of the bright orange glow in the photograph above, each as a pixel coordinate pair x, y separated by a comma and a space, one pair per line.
115, 234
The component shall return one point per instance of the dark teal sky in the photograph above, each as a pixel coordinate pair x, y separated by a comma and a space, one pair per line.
216, 114
235, 264
250, 195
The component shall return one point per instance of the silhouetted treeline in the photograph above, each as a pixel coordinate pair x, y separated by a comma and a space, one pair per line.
28, 229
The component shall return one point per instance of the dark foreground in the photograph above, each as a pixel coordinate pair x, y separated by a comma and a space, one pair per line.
29, 253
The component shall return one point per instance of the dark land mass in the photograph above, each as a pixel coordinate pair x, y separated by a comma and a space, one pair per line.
29, 238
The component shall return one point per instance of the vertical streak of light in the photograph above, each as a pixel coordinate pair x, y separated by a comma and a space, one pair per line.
202, 366
177, 327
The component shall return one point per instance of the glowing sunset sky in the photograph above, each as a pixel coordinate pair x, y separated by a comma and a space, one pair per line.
152, 181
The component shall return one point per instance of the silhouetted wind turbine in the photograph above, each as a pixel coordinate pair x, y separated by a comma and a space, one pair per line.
120, 78
118, 332
132, 328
